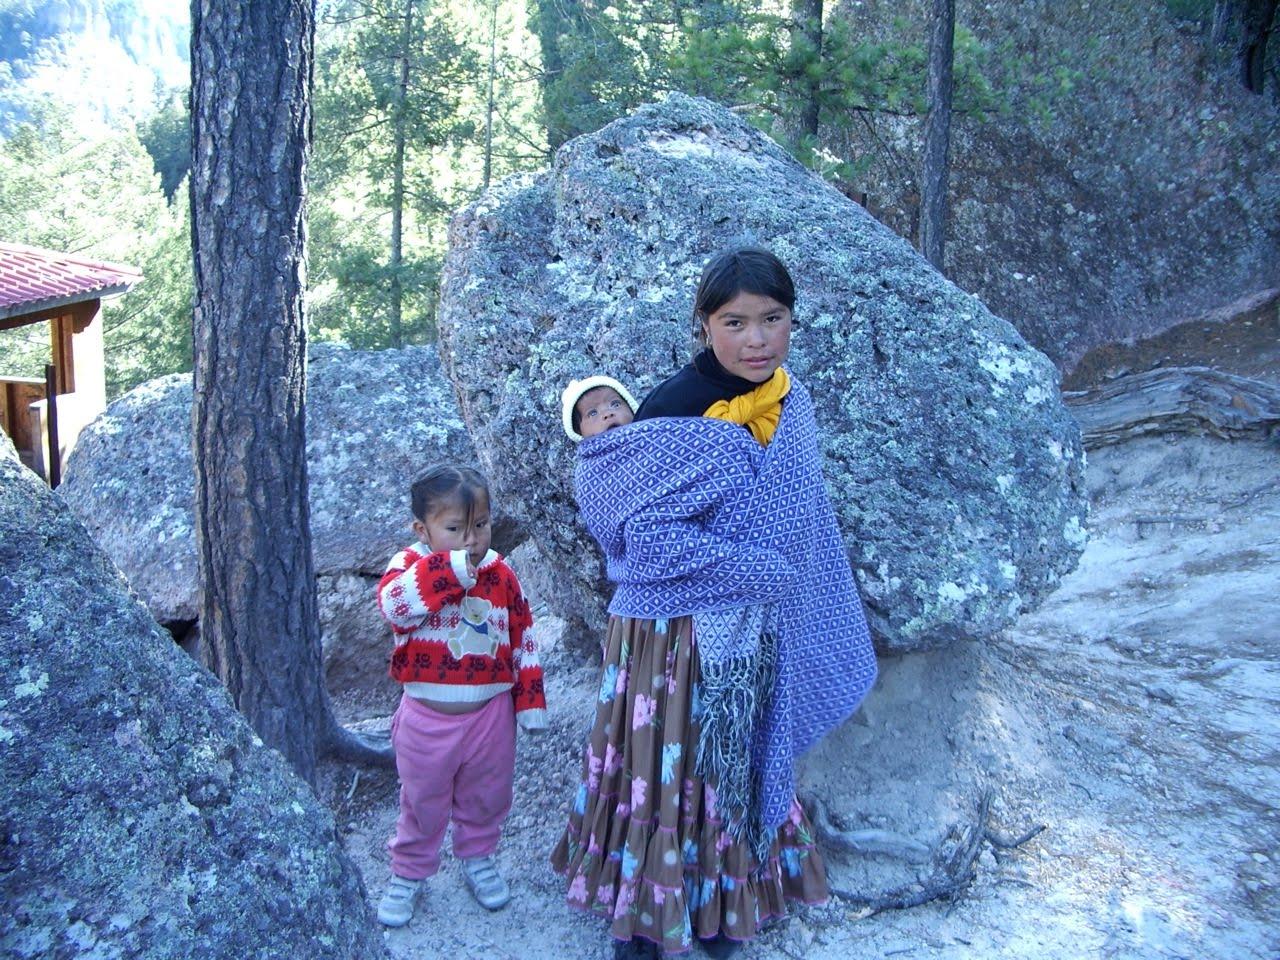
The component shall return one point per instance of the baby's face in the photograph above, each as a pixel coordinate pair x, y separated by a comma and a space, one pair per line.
601, 409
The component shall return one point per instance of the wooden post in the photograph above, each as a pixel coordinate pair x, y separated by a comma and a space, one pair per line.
51, 410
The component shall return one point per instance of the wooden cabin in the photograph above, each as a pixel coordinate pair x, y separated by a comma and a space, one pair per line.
64, 292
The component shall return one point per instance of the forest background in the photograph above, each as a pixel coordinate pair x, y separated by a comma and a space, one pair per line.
419, 105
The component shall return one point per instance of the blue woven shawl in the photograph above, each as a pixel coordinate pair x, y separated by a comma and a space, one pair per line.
694, 517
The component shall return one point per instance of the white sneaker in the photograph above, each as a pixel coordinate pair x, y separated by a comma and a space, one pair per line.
396, 908
485, 883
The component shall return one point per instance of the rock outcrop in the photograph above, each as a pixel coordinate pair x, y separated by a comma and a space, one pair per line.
1129, 182
953, 465
141, 815
375, 420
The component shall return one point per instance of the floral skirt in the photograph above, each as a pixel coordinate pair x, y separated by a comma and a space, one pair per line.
645, 846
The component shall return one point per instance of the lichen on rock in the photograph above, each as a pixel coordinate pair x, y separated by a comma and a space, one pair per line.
141, 815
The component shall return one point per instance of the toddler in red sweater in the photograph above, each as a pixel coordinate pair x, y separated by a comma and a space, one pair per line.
464, 654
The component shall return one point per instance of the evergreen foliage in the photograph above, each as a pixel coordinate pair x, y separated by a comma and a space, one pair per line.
607, 59
397, 122
167, 136
386, 97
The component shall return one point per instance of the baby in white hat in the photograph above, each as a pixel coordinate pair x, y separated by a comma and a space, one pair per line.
593, 405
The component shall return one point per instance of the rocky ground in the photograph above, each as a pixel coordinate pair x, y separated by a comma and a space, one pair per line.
1134, 717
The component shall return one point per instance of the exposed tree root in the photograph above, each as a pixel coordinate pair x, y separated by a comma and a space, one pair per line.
356, 747
953, 872
1001, 842
864, 842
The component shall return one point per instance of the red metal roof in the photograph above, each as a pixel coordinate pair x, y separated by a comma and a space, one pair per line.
32, 279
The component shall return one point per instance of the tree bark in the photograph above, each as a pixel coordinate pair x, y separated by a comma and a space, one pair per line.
808, 31
1223, 14
398, 122
935, 171
251, 118
489, 101
1255, 31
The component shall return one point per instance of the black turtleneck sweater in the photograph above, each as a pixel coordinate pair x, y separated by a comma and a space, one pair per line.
691, 389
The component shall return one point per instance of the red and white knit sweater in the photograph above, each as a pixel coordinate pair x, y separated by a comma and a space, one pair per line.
461, 640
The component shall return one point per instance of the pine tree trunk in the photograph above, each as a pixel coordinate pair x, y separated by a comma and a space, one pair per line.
937, 133
1223, 14
489, 103
1255, 31
396, 319
808, 31
251, 118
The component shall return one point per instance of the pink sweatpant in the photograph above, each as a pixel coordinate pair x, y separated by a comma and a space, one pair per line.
451, 766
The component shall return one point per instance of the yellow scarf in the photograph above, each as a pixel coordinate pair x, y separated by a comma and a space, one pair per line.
758, 410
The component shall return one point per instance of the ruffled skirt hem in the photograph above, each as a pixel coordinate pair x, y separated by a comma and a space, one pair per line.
645, 847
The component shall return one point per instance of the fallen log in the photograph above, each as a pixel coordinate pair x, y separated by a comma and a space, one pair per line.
1195, 400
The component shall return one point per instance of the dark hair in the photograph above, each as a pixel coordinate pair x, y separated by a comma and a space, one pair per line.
741, 270
447, 482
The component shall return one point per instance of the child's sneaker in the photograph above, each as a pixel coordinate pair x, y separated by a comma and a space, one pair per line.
485, 883
396, 908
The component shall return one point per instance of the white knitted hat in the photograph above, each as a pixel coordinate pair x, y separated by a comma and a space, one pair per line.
573, 393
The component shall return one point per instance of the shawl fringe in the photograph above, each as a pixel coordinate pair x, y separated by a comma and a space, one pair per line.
734, 698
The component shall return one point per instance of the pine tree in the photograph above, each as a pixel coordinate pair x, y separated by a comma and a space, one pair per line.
389, 93
251, 116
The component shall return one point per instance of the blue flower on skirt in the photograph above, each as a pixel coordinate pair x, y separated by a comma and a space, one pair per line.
629, 863
690, 852
708, 891
791, 861
608, 682
692, 890
660, 627
580, 800
670, 757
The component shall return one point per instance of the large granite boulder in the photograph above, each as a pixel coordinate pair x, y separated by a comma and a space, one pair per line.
141, 815
954, 467
375, 420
